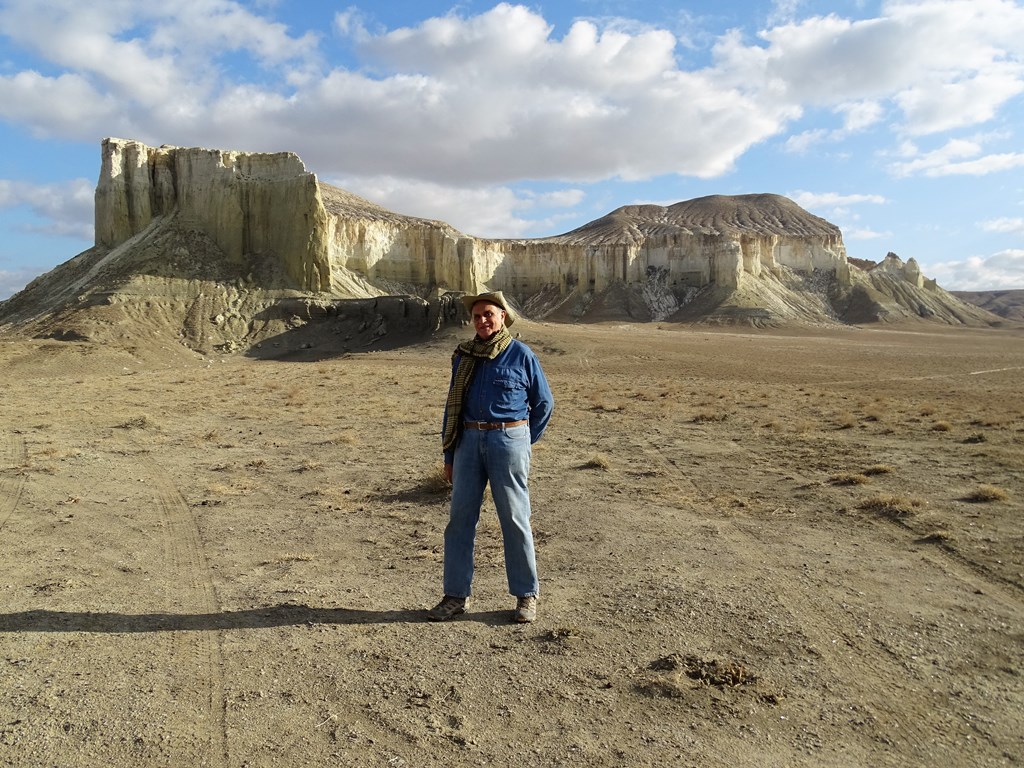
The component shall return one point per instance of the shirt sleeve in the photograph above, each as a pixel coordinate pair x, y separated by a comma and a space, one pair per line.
539, 397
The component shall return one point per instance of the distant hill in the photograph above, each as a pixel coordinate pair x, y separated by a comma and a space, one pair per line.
1008, 304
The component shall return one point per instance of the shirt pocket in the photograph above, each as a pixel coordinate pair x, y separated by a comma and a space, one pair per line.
509, 389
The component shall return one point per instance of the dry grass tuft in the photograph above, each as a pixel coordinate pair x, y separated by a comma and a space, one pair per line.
293, 397
434, 482
940, 536
873, 413
846, 420
597, 461
139, 422
609, 406
879, 469
849, 478
985, 493
803, 426
941, 426
893, 506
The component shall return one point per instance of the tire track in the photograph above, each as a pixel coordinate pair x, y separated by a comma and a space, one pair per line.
827, 633
198, 654
13, 455
873, 686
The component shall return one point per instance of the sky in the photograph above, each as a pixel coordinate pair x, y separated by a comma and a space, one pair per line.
900, 121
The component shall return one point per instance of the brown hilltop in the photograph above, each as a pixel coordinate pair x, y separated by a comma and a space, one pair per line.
756, 214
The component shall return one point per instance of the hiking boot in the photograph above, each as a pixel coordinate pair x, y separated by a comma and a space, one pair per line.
526, 610
447, 608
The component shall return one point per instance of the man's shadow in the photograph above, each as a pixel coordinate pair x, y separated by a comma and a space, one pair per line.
284, 615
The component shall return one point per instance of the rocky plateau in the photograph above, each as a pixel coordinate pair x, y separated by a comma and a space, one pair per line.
250, 252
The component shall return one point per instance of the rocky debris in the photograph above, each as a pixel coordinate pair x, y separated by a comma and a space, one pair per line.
218, 249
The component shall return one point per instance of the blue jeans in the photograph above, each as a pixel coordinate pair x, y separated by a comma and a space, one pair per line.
501, 457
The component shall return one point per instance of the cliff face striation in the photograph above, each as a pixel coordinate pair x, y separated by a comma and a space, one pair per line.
235, 250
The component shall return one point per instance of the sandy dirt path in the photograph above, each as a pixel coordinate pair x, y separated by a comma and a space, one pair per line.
777, 548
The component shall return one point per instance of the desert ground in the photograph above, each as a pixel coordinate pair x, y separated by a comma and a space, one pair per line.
789, 547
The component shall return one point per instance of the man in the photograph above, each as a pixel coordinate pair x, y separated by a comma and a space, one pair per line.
499, 404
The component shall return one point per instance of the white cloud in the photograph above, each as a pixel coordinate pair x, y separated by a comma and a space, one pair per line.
833, 199
1007, 225
1001, 271
55, 106
857, 117
480, 211
858, 233
784, 11
496, 97
801, 143
945, 64
12, 281
956, 157
860, 115
66, 208
943, 106
134, 69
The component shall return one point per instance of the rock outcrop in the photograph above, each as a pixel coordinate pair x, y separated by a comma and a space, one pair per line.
231, 249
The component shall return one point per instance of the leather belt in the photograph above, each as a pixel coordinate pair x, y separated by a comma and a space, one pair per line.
495, 424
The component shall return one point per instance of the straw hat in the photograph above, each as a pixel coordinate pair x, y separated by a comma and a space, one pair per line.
494, 297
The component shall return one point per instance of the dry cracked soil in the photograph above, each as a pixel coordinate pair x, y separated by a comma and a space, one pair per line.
778, 548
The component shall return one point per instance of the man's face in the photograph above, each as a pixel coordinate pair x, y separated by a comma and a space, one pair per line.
488, 319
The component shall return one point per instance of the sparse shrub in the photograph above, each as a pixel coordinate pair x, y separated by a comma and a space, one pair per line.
846, 420
213, 435
879, 469
941, 426
601, 404
139, 422
672, 391
994, 421
308, 466
803, 426
940, 536
849, 478
257, 464
873, 414
893, 506
434, 482
597, 461
985, 493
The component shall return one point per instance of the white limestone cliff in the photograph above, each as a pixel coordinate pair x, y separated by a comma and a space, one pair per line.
233, 248
328, 240
247, 203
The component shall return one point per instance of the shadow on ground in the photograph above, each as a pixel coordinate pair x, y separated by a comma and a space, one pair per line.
253, 618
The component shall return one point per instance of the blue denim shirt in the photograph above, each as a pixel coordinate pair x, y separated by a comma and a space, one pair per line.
511, 387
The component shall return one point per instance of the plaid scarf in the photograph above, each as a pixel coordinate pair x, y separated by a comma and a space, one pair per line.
467, 354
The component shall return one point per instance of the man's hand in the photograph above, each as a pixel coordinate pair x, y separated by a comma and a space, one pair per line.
448, 473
